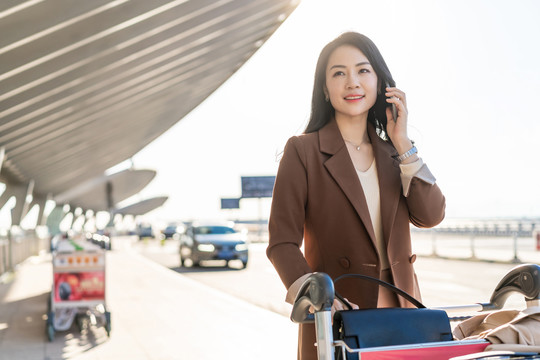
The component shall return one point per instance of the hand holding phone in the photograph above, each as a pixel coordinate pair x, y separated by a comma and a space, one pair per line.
394, 112
393, 108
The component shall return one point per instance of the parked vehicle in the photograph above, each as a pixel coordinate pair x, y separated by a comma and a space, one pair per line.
145, 231
171, 231
213, 241
100, 238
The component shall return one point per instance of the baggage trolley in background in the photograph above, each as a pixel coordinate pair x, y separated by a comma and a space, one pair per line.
78, 290
317, 291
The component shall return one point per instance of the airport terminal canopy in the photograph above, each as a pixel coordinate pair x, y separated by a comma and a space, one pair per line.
102, 193
142, 207
85, 85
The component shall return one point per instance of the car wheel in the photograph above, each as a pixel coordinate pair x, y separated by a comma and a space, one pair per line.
244, 264
183, 256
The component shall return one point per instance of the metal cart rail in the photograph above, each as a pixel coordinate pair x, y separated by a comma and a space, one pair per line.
78, 290
317, 293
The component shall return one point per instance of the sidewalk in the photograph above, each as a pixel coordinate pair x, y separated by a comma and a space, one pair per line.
155, 314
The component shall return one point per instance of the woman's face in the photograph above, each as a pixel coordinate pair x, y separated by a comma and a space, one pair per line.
351, 82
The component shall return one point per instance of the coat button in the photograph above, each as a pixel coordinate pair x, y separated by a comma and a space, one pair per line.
345, 262
412, 258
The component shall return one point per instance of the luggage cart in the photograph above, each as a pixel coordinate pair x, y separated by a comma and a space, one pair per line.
317, 292
78, 290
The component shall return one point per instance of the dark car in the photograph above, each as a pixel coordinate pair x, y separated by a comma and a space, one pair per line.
171, 231
213, 241
100, 238
145, 231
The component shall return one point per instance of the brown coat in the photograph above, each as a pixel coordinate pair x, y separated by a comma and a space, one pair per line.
318, 198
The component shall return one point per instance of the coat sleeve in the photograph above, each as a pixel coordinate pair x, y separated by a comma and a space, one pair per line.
425, 200
287, 215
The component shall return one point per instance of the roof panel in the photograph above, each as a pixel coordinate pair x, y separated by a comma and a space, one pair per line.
83, 88
101, 193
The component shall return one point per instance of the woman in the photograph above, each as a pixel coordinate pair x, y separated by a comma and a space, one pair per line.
351, 184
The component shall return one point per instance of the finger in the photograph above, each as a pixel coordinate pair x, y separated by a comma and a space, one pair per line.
396, 101
353, 305
400, 107
337, 305
344, 305
389, 116
395, 98
348, 302
395, 92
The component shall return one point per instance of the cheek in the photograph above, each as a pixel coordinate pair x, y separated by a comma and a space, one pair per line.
372, 86
335, 90
330, 87
334, 84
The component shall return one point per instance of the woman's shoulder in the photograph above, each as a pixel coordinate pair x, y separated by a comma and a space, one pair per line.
304, 139
302, 144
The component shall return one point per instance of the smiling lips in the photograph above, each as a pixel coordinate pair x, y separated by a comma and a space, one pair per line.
354, 97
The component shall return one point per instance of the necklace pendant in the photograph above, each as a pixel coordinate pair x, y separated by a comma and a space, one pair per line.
358, 148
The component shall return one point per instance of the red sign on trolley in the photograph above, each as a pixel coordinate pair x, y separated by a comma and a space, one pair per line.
79, 286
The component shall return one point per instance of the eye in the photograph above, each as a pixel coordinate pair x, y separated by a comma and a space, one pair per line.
364, 71
338, 73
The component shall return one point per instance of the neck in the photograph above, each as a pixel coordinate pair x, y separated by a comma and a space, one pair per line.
353, 129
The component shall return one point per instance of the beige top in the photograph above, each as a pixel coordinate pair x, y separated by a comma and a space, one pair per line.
370, 185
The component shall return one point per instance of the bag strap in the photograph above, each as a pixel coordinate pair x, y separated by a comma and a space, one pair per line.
389, 286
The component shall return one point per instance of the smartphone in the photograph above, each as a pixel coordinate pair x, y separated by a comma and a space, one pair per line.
393, 107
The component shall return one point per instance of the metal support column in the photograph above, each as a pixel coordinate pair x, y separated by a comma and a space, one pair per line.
41, 202
516, 259
21, 193
2, 155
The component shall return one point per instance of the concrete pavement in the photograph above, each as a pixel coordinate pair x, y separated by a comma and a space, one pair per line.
155, 314
158, 313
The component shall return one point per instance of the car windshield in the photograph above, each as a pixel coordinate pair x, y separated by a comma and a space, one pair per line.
203, 230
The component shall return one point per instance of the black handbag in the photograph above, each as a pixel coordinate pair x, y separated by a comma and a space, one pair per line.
367, 328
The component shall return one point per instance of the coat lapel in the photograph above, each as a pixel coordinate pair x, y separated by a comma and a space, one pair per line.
389, 180
341, 168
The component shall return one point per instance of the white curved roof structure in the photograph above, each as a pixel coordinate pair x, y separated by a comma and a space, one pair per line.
85, 85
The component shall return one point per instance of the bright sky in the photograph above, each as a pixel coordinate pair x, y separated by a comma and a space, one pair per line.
471, 73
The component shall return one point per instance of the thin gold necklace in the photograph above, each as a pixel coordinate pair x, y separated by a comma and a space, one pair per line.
357, 147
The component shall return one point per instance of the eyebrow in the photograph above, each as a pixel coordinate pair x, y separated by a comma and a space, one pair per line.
343, 66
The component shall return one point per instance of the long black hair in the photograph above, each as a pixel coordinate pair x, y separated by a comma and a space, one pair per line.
322, 111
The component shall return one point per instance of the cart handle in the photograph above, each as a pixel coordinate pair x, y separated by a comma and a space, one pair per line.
317, 291
523, 279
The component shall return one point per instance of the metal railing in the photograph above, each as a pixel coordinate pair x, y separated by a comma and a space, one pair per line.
17, 246
493, 240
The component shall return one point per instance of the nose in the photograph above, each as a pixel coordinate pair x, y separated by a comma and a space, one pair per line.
353, 82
